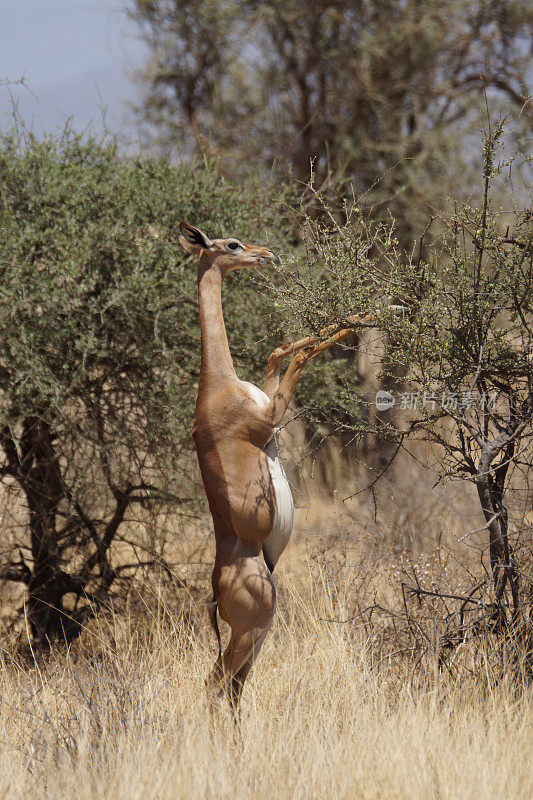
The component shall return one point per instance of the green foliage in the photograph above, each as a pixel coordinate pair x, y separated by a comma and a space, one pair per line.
467, 323
100, 339
99, 343
380, 94
340, 269
97, 295
463, 346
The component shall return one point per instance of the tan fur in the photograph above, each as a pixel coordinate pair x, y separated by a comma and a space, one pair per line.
231, 431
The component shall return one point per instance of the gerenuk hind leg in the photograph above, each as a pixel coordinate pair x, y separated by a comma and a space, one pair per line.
246, 602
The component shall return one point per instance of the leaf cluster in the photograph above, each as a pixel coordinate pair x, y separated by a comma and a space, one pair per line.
465, 337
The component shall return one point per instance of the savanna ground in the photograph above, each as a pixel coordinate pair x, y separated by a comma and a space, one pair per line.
345, 701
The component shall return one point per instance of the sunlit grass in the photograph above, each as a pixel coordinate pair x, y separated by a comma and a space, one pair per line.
124, 715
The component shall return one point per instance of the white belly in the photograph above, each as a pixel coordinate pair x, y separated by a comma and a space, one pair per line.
281, 531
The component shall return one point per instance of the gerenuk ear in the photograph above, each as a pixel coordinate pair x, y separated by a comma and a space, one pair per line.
193, 240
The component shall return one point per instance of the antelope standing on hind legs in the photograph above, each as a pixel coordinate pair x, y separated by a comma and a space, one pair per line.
234, 434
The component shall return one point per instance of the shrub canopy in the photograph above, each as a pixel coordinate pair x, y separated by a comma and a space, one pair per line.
99, 342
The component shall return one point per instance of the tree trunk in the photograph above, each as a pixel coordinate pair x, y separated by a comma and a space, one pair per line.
490, 493
41, 480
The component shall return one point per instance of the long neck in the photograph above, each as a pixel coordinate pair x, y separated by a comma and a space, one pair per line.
216, 361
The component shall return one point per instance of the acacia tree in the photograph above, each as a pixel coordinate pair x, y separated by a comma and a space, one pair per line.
380, 93
476, 371
465, 347
98, 331
382, 98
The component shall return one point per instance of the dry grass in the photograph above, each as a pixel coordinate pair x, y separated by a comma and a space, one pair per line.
324, 715
340, 704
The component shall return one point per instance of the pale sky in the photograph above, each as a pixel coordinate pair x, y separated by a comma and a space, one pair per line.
76, 56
